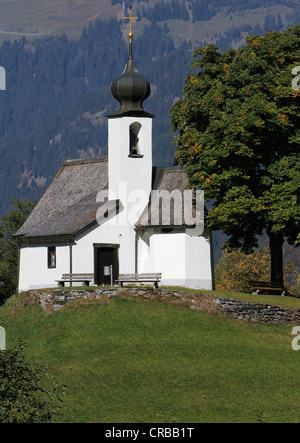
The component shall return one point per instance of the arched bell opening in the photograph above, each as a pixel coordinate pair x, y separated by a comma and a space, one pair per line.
134, 148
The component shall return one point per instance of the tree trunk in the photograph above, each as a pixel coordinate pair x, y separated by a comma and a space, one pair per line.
276, 247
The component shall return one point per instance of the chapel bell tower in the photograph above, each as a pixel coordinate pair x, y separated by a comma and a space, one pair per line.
130, 133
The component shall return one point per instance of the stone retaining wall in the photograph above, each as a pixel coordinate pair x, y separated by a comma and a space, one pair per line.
58, 298
258, 311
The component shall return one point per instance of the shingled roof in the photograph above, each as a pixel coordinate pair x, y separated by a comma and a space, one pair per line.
69, 205
170, 180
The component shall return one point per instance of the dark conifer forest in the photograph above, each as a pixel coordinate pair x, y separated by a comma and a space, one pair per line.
58, 94
58, 89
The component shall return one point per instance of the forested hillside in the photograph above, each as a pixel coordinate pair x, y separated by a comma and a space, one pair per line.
58, 88
58, 93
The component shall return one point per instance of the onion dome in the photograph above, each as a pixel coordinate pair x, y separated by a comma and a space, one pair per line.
130, 89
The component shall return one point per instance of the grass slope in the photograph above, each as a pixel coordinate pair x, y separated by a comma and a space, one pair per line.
138, 361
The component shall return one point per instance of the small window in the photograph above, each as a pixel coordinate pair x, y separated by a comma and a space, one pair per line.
52, 257
134, 149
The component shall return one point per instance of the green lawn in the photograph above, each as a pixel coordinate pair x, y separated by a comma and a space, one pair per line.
139, 361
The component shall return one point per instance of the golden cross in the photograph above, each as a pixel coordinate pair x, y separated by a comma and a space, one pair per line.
130, 35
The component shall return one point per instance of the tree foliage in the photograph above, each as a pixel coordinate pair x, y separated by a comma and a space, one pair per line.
236, 269
10, 223
292, 278
23, 399
238, 136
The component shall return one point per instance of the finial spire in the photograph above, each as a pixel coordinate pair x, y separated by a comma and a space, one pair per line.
130, 89
130, 35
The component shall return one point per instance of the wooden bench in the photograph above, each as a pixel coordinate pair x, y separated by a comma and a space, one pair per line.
259, 287
139, 278
86, 279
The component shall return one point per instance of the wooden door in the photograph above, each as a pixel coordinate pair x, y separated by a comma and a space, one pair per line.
106, 265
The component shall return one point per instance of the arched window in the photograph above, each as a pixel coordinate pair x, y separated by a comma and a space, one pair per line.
134, 148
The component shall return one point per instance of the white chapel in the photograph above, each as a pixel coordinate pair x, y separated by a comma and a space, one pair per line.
107, 213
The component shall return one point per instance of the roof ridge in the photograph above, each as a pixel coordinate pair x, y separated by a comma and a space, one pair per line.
175, 170
82, 161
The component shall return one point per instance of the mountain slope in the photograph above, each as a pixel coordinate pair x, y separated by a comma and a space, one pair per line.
55, 17
35, 18
57, 86
58, 93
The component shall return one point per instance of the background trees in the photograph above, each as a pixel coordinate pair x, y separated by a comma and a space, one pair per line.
58, 89
10, 223
235, 269
238, 137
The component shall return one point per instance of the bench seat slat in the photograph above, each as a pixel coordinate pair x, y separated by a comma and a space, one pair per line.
139, 275
140, 278
266, 284
262, 286
76, 278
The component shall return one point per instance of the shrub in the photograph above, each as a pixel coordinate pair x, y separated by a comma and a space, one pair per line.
236, 269
22, 397
292, 279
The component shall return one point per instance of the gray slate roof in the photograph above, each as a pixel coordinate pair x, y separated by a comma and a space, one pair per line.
164, 213
69, 205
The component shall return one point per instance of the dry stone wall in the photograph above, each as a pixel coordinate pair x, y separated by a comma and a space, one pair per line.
57, 298
258, 311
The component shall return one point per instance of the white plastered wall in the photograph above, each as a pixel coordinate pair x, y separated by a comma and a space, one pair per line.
136, 173
118, 234
34, 272
198, 260
182, 256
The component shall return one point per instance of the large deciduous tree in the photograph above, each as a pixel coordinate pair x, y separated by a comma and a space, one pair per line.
238, 137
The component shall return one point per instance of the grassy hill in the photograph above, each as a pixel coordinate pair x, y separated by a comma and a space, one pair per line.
137, 361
